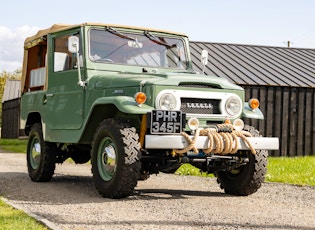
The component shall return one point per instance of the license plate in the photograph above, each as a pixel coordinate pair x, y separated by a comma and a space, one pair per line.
166, 122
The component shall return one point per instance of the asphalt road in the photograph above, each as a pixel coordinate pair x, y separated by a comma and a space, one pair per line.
70, 201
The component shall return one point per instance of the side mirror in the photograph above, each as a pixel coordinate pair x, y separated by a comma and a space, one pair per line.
73, 44
204, 59
73, 47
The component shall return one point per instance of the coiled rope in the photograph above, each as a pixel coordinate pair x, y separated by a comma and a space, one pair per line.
222, 140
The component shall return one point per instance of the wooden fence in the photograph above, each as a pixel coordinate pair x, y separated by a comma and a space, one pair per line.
289, 115
11, 119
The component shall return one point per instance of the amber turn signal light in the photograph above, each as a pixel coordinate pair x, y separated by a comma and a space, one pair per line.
140, 97
227, 122
253, 103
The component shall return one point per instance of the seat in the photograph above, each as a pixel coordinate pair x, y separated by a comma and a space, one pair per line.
37, 77
61, 61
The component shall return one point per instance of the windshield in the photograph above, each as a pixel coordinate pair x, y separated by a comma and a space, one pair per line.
111, 46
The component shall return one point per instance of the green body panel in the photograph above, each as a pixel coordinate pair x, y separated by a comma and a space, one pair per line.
31, 103
70, 113
250, 113
124, 104
122, 79
65, 101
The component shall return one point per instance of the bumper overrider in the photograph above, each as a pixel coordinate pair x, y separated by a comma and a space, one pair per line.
166, 133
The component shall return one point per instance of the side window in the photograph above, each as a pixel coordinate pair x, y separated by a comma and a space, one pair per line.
63, 59
36, 67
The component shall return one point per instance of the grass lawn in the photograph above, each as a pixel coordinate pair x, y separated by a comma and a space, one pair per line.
292, 170
13, 145
11, 218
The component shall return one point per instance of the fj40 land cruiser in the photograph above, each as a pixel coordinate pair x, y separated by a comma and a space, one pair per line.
127, 99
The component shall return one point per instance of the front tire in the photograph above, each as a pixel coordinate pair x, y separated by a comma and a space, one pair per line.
115, 159
246, 179
41, 156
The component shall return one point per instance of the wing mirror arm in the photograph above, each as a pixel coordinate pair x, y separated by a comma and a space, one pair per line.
204, 59
73, 47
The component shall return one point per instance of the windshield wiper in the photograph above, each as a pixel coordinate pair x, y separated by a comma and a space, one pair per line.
156, 39
113, 31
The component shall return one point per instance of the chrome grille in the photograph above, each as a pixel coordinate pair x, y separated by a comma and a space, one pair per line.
194, 85
200, 106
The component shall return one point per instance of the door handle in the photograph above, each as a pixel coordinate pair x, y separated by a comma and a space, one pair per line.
46, 96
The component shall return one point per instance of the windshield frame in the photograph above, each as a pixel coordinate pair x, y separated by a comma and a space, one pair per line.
156, 40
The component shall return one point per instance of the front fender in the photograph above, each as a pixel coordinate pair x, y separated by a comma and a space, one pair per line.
124, 104
250, 113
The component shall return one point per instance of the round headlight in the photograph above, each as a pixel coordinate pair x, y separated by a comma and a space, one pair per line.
233, 106
167, 101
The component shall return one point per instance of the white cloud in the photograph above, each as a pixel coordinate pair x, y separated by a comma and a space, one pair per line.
11, 46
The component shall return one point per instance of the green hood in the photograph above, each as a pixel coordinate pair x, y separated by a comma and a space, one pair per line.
165, 79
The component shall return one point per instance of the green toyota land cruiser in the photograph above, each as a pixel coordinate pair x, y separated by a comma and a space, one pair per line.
127, 99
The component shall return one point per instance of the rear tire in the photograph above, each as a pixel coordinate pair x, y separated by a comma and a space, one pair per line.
115, 159
246, 179
41, 156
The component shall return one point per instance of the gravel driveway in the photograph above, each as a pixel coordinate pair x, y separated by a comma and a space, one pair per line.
70, 201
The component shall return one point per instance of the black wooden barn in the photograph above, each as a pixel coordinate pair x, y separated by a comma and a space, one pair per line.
11, 110
283, 79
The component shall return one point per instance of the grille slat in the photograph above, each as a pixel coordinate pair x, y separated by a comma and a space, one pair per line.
200, 106
194, 85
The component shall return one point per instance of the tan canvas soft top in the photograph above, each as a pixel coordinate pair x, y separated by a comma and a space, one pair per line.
37, 38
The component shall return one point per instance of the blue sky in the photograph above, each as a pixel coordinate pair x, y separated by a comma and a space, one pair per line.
264, 22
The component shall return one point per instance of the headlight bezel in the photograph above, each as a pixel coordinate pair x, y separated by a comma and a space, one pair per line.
236, 109
161, 100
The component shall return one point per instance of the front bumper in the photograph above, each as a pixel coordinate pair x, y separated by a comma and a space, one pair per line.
202, 142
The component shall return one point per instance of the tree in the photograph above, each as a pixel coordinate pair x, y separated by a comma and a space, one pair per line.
4, 76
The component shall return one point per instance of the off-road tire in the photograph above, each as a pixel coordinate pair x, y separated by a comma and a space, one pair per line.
247, 179
115, 176
40, 156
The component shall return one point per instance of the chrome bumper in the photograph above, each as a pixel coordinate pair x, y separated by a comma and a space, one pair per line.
179, 142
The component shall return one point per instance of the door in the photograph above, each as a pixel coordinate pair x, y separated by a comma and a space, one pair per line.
64, 97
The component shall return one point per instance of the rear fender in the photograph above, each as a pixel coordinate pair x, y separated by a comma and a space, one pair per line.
32, 118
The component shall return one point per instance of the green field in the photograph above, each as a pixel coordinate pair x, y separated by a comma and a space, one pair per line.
292, 170
11, 218
13, 145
